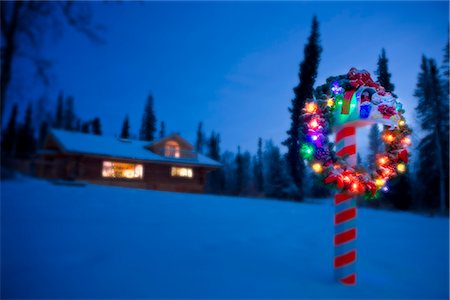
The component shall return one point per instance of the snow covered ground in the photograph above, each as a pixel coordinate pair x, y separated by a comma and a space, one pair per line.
104, 242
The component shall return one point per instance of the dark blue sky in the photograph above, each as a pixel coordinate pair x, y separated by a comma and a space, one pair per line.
233, 65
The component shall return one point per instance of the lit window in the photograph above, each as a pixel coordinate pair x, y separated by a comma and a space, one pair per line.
122, 170
172, 149
182, 172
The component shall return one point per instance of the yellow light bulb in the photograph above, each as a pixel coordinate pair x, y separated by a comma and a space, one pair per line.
401, 168
389, 138
401, 123
311, 107
330, 102
317, 167
383, 160
379, 182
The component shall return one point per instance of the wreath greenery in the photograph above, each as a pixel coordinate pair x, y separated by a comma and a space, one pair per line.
319, 116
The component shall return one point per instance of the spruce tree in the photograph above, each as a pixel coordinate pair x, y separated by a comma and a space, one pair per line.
239, 173
375, 143
399, 194
96, 126
228, 169
200, 138
162, 131
43, 132
69, 115
303, 91
148, 126
216, 179
246, 164
85, 127
9, 135
258, 168
26, 142
59, 116
276, 183
384, 77
432, 111
125, 133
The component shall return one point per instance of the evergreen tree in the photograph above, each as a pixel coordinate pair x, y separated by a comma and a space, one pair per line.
258, 168
375, 143
69, 115
228, 160
239, 173
59, 117
399, 194
125, 133
214, 146
200, 138
85, 127
303, 91
277, 182
246, 164
384, 77
26, 143
9, 138
162, 131
43, 131
432, 110
96, 126
148, 126
216, 179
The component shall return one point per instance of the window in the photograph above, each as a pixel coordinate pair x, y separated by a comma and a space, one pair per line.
122, 170
172, 149
182, 172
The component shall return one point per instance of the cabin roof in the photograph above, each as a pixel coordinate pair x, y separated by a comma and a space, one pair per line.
82, 143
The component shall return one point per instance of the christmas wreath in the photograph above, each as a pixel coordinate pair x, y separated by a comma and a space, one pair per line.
354, 100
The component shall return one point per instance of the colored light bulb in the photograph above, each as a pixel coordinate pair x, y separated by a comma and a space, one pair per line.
389, 138
406, 141
401, 168
317, 167
314, 124
383, 160
311, 107
314, 137
379, 182
307, 151
330, 102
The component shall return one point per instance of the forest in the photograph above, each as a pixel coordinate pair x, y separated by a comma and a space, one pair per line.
274, 171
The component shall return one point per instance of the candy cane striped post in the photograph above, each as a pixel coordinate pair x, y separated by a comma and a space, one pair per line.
345, 215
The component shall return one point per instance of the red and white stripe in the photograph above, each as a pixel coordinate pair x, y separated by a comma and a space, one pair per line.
345, 231
346, 143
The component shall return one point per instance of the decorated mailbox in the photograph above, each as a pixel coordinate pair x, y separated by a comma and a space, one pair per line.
364, 102
343, 104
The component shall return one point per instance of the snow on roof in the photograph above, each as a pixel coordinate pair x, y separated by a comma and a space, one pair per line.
77, 142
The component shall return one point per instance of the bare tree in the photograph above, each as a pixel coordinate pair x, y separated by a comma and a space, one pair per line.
25, 24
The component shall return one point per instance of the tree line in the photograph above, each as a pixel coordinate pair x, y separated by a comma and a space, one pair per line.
269, 172
424, 186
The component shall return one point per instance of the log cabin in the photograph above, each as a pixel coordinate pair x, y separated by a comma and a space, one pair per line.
168, 164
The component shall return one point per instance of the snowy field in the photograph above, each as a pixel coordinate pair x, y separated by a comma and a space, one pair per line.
104, 242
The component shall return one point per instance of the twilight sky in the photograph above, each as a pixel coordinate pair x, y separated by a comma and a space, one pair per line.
233, 65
